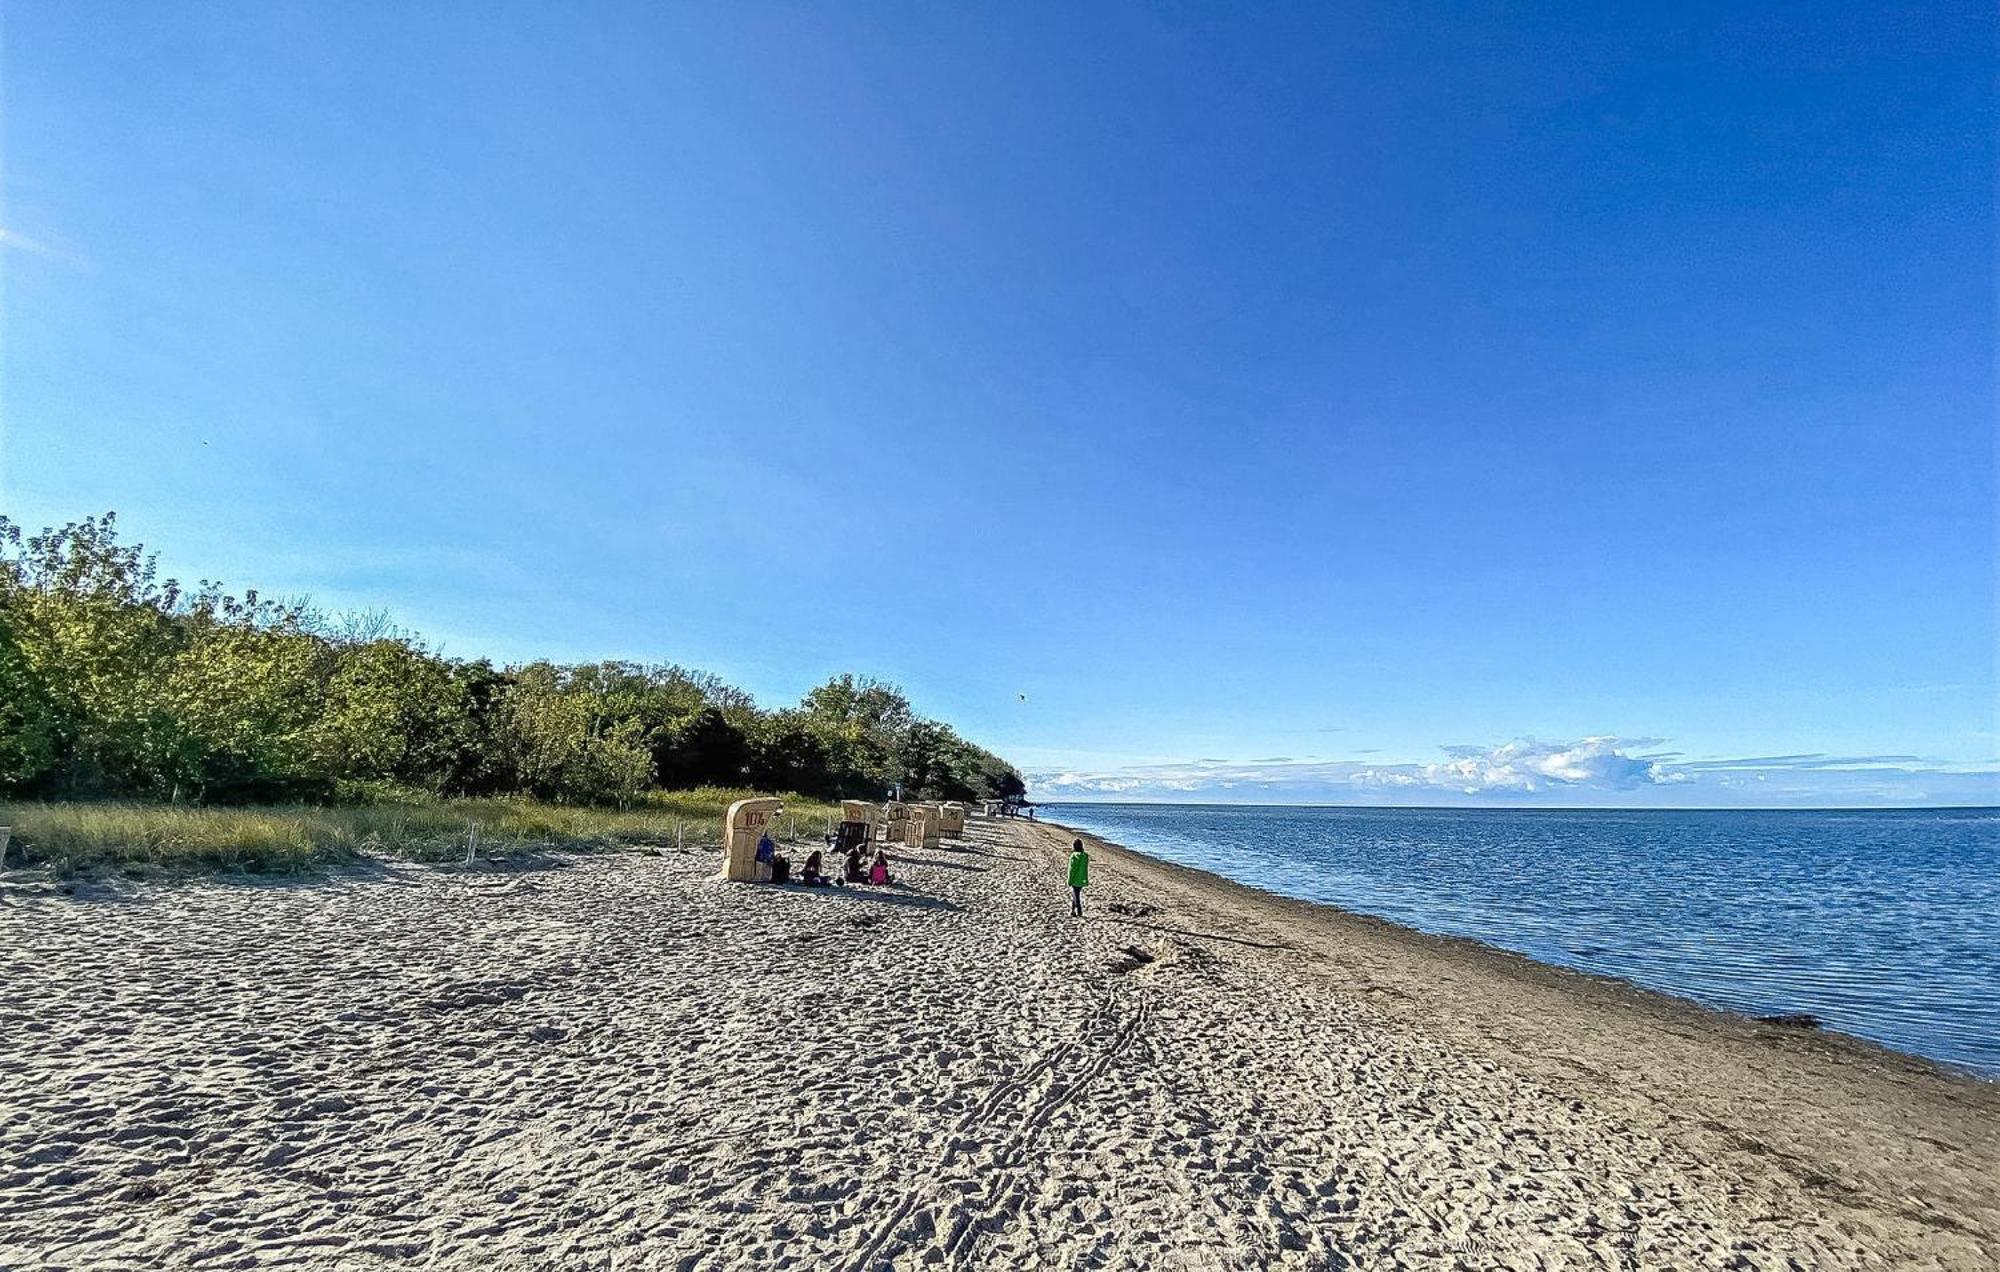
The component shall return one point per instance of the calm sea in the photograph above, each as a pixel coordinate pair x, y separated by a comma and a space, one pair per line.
1881, 924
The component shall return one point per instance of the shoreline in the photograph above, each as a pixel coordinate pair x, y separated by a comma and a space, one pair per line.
619, 1059
1512, 961
1542, 808
1867, 1117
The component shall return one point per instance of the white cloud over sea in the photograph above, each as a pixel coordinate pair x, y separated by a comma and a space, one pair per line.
1527, 766
1599, 770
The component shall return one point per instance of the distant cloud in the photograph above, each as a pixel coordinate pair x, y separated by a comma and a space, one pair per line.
1526, 766
21, 243
1603, 768
15, 241
1107, 784
1810, 762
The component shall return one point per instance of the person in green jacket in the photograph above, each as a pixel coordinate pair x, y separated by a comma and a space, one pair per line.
1079, 876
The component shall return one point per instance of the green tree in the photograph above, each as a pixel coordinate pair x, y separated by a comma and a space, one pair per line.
31, 730
860, 725
560, 743
709, 750
246, 690
93, 626
787, 755
393, 712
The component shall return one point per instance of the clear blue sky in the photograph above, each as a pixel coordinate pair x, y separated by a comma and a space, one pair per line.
1274, 396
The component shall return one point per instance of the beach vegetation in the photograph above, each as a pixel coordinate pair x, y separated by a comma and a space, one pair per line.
119, 684
65, 837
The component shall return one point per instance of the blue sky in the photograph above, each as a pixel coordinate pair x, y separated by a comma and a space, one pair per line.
1384, 402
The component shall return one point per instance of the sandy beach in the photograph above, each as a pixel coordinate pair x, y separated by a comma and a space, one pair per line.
620, 1061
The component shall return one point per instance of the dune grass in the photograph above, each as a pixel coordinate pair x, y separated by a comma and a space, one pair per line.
70, 837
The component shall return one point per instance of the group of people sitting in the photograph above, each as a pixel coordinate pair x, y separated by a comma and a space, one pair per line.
813, 872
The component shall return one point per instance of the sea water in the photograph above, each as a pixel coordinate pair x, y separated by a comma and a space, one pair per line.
1882, 924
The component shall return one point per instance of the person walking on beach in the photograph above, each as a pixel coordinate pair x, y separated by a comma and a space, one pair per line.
1079, 876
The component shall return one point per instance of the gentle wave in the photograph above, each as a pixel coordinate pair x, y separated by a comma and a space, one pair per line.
1885, 925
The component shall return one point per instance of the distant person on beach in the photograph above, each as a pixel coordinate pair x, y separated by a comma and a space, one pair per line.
1079, 876
854, 872
810, 874
879, 871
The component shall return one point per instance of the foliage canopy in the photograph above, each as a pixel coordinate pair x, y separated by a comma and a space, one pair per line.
115, 682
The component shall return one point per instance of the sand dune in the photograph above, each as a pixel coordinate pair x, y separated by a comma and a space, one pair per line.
621, 1062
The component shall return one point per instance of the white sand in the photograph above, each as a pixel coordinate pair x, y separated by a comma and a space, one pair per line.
621, 1062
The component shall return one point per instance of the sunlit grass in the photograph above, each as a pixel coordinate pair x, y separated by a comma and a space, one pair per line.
69, 837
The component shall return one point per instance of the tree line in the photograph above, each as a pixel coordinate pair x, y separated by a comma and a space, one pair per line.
115, 682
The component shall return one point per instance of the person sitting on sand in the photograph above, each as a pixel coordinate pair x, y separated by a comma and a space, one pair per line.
1079, 876
810, 873
854, 872
878, 873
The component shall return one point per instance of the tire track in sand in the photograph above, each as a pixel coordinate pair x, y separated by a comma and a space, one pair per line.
966, 1228
1007, 1156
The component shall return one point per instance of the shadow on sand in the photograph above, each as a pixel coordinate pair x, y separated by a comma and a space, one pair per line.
893, 894
110, 884
1205, 936
945, 862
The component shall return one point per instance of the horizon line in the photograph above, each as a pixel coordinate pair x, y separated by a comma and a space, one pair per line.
1543, 808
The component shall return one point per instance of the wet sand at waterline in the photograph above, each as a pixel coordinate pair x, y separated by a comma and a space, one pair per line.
622, 1062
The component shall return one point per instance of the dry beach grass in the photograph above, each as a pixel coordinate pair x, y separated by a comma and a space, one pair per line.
66, 837
616, 1060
